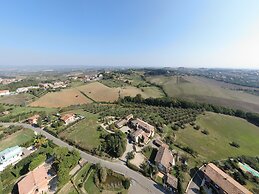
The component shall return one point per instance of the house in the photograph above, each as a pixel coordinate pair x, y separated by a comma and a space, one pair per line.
164, 159
171, 182
34, 182
122, 122
222, 182
68, 118
143, 131
33, 120
4, 92
10, 156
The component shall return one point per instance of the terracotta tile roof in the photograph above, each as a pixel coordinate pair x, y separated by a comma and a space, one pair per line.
145, 125
36, 179
34, 117
171, 180
164, 156
223, 180
65, 117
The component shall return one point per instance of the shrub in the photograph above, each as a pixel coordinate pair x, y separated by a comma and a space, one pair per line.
234, 144
205, 132
126, 184
130, 155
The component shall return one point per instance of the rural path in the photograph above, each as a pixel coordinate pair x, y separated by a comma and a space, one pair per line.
140, 183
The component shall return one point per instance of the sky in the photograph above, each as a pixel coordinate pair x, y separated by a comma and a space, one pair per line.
154, 33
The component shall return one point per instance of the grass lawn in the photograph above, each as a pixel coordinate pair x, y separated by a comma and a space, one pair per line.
149, 153
222, 130
17, 138
90, 187
82, 173
84, 133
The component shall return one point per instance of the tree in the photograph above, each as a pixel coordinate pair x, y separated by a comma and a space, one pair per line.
63, 175
130, 155
115, 144
37, 161
103, 174
60, 153
126, 184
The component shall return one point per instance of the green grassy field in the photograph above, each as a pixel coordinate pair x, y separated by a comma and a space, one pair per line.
206, 90
17, 138
222, 130
84, 133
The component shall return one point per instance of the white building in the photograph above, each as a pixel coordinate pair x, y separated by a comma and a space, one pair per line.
10, 156
4, 92
26, 89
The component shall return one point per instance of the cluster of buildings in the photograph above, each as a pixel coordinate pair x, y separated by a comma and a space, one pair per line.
66, 118
36, 181
26, 89
86, 78
142, 132
54, 85
6, 81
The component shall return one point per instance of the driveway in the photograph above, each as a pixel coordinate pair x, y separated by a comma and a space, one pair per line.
140, 184
195, 183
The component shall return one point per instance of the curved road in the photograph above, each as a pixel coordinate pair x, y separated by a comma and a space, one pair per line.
140, 184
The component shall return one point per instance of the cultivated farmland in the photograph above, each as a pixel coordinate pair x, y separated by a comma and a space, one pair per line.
102, 93
205, 90
94, 91
63, 98
222, 130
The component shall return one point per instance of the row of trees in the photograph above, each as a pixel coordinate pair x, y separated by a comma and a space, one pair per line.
180, 103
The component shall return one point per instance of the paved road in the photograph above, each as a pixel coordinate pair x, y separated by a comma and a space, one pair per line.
140, 183
194, 186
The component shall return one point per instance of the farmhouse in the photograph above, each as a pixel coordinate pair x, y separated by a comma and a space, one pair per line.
4, 92
164, 159
68, 118
122, 122
10, 156
143, 131
222, 182
34, 182
33, 120
171, 182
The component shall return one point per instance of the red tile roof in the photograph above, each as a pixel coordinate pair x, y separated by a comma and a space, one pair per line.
223, 180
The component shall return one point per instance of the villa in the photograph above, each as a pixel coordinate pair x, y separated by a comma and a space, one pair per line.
34, 182
68, 118
33, 120
10, 156
143, 131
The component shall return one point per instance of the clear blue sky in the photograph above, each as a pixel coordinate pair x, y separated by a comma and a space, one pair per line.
200, 33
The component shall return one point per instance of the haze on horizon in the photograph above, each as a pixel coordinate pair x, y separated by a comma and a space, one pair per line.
201, 33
